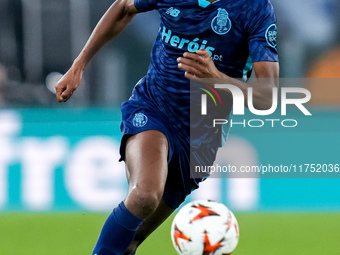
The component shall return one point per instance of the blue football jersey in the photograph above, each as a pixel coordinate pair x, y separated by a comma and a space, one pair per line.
236, 33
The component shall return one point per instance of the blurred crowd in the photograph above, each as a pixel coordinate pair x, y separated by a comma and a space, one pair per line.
40, 38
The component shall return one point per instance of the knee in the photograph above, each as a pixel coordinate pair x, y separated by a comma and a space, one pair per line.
145, 201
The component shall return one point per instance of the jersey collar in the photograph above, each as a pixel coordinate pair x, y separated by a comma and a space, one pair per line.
205, 3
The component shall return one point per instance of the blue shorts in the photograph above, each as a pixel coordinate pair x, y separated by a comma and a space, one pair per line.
140, 114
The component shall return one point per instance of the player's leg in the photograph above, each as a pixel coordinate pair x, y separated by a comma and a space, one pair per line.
146, 160
146, 157
174, 194
149, 225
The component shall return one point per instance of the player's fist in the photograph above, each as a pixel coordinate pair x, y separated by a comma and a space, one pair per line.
68, 84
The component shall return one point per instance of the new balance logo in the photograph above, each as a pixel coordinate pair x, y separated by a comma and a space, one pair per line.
173, 12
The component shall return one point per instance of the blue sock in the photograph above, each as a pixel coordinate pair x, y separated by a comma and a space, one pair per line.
118, 232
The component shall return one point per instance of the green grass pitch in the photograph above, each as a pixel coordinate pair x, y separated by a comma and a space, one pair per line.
260, 234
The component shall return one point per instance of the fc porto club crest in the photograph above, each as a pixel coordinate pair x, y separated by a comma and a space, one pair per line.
139, 120
221, 24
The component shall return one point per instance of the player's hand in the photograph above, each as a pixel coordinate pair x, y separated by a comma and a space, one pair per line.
68, 84
198, 65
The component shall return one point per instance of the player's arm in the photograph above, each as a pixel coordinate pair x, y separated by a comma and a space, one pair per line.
116, 18
200, 65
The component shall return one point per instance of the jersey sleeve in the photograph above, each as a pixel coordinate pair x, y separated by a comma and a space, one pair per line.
145, 5
262, 33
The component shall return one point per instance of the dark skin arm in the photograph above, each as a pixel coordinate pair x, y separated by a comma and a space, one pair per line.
200, 65
117, 17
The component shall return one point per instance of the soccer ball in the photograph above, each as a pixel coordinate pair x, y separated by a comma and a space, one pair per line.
204, 228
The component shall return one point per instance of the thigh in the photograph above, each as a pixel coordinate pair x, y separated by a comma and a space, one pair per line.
146, 163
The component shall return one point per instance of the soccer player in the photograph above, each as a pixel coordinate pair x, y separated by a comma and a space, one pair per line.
197, 39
